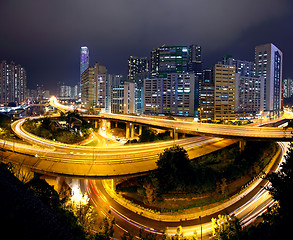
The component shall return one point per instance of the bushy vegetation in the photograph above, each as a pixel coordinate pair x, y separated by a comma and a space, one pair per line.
76, 129
209, 176
37, 211
149, 135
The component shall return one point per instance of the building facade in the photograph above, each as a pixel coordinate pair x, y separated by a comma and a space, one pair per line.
244, 68
93, 86
88, 88
249, 89
84, 59
206, 104
287, 87
172, 95
249, 94
123, 98
12, 83
269, 62
176, 59
224, 92
137, 65
169, 59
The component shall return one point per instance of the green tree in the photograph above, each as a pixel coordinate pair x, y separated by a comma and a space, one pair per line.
147, 135
46, 193
282, 185
174, 169
226, 227
151, 186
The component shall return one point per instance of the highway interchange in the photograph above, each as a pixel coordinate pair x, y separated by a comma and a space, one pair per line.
51, 157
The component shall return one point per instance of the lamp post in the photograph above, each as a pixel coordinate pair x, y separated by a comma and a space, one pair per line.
200, 228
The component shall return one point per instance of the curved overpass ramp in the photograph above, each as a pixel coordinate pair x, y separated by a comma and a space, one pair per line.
56, 158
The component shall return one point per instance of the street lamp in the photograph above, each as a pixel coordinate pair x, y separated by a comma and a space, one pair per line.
200, 228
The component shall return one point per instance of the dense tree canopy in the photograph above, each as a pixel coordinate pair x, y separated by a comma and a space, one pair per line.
174, 168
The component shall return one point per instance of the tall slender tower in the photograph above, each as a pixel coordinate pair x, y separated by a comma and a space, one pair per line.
84, 59
269, 61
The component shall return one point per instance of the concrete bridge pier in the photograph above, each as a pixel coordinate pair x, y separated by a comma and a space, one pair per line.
96, 123
173, 134
242, 144
108, 124
129, 130
139, 130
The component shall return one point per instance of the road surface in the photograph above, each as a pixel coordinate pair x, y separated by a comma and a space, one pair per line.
247, 209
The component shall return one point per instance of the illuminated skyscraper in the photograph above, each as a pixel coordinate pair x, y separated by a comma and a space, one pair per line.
224, 92
176, 59
137, 65
84, 59
12, 83
173, 94
269, 62
288, 87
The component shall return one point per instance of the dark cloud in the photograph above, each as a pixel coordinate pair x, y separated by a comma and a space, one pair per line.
45, 36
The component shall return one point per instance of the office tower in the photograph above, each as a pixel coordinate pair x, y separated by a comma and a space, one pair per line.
12, 83
84, 62
84, 59
195, 60
172, 95
207, 96
249, 94
287, 87
269, 62
137, 65
169, 59
224, 92
123, 98
176, 59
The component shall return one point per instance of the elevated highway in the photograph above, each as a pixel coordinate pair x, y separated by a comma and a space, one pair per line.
55, 158
214, 130
50, 157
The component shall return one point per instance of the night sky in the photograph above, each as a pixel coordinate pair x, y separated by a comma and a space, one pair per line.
45, 36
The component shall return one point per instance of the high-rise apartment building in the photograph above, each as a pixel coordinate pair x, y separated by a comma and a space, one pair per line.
249, 89
287, 87
207, 96
269, 62
123, 98
137, 65
92, 85
249, 94
174, 95
88, 88
224, 92
12, 83
244, 68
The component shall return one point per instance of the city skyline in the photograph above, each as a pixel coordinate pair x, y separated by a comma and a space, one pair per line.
49, 48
